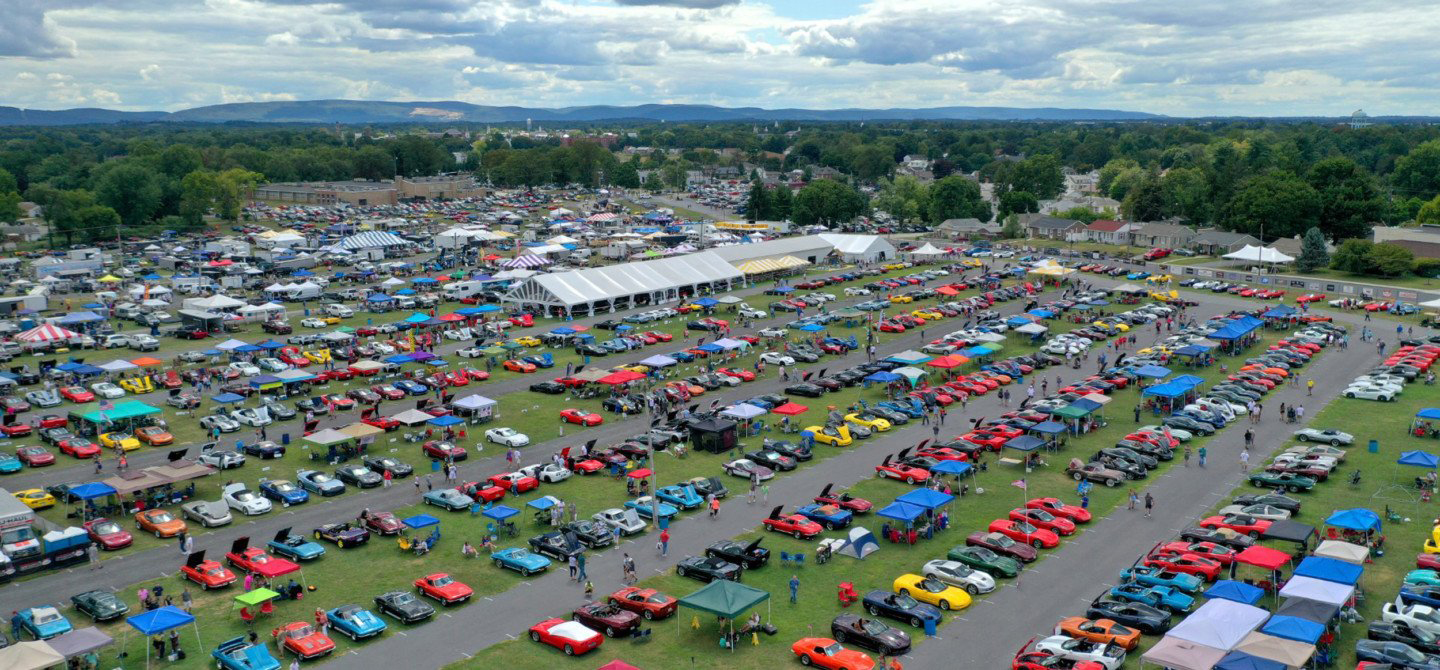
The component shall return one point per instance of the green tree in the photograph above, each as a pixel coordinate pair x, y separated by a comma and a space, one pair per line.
1018, 202
757, 206
1186, 194
97, 222
626, 175
904, 198
827, 202
1145, 200
198, 192
178, 160
1313, 255
1429, 212
373, 163
232, 187
1391, 260
673, 174
782, 203
1353, 256
956, 197
8, 182
1039, 175
9, 206
132, 191
1418, 172
1012, 228
1273, 204
1349, 197
1126, 181
870, 162
653, 182
1112, 170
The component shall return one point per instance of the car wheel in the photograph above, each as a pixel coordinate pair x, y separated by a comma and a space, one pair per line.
798, 535
970, 589
647, 614
909, 480
1112, 483
1334, 443
1349, 395
1078, 477
873, 610
916, 622
535, 635
805, 660
1254, 535
1037, 544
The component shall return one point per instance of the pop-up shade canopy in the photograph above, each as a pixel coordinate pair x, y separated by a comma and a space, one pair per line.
1358, 518
1240, 592
1329, 569
725, 598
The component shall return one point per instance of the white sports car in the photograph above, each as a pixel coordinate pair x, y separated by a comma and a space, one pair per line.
314, 323
548, 472
252, 417
1328, 436
776, 358
107, 390
958, 574
1108, 655
626, 520
1267, 512
774, 332
243, 500
245, 369
471, 352
507, 436
1370, 392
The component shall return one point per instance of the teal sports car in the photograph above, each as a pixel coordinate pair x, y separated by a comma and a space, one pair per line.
520, 560
1422, 577
355, 622
645, 507
1151, 576
294, 547
10, 464
684, 497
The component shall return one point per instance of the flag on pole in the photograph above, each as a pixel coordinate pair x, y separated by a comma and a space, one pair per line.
1169, 439
1020, 484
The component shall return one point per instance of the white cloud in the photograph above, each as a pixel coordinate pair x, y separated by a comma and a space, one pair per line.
149, 71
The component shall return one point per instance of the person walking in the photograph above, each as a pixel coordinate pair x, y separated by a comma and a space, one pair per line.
1244, 460
580, 568
1187, 455
1133, 499
1201, 454
794, 589
386, 476
1310, 387
714, 506
664, 541
1149, 504
627, 567
1249, 438
93, 553
574, 567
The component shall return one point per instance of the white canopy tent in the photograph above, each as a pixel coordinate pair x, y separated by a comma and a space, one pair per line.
1318, 590
1221, 624
1343, 551
928, 250
1179, 654
619, 286
1254, 254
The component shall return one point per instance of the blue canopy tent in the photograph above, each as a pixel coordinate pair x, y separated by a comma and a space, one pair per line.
1418, 459
1167, 390
558, 331
1240, 592
379, 297
1191, 350
417, 317
500, 512
1239, 660
227, 398
1042, 313
1358, 519
248, 349
1293, 628
1190, 381
812, 328
1086, 404
168, 618
92, 490
1278, 312
1024, 443
1152, 371
400, 359
712, 348
424, 280
883, 377
486, 309
420, 521
447, 420
1048, 428
951, 468
706, 302
1330, 570
405, 291
270, 345
542, 503
902, 511
928, 498
1428, 413
783, 289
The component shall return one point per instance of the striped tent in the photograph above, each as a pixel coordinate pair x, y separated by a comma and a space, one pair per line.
371, 239
47, 333
602, 217
763, 265
526, 261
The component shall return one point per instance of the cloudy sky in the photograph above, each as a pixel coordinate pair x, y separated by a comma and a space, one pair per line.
1260, 57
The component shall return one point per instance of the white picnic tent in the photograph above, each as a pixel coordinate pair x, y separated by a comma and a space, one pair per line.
1221, 624
1256, 254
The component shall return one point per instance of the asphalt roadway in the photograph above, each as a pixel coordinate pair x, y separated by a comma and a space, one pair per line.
988, 636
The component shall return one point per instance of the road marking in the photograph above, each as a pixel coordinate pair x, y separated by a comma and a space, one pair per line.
511, 636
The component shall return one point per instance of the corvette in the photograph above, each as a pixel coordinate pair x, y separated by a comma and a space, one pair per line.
1056, 507
1104, 631
572, 637
648, 603
1004, 545
1189, 564
1021, 531
932, 591
443, 588
795, 524
404, 606
1144, 618
208, 574
1039, 518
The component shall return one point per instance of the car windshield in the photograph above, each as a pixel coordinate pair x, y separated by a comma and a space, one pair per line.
1001, 540
161, 517
283, 487
905, 601
402, 598
932, 585
443, 581
106, 528
320, 478
244, 496
301, 631
833, 649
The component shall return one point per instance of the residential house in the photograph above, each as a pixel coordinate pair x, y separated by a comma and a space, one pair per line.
1219, 242
1290, 246
1051, 228
1422, 240
1162, 234
1106, 231
968, 229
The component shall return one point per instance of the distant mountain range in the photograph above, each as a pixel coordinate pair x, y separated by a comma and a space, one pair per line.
362, 111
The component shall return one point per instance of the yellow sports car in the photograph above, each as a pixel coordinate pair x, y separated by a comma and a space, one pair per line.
528, 341
870, 421
901, 299
835, 437
35, 498
972, 263
125, 441
933, 591
895, 266
1432, 545
927, 314
1157, 349
1172, 296
137, 384
1159, 279
320, 356
1111, 326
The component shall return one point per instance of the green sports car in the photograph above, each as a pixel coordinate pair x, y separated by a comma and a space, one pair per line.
100, 605
986, 561
1285, 481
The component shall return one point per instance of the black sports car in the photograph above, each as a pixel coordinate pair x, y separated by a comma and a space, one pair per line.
894, 417
548, 387
708, 569
358, 475
799, 452
1396, 654
591, 534
768, 401
1150, 462
871, 634
750, 556
1284, 502
100, 605
1220, 536
900, 607
1399, 631
805, 390
404, 606
772, 459
383, 464
708, 486
314, 406
1146, 619
278, 411
558, 544
622, 405
343, 534
56, 435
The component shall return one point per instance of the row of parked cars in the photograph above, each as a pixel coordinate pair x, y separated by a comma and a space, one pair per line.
1387, 381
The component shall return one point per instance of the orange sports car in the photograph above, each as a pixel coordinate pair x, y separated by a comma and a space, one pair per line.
519, 366
1103, 631
154, 436
160, 522
823, 652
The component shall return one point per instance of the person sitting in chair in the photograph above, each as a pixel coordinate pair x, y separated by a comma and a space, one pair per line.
468, 550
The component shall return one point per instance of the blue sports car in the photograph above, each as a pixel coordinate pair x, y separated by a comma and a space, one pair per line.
644, 506
356, 622
683, 356
1415, 594
1137, 275
683, 496
237, 654
9, 463
284, 492
1150, 576
829, 516
540, 360
412, 387
449, 499
520, 560
1154, 596
320, 483
908, 410
42, 622
295, 547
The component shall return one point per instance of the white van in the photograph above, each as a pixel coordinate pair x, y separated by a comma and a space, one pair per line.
337, 309
462, 289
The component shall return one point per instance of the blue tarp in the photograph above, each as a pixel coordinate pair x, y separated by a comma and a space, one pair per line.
927, 498
423, 280
976, 352
405, 291
486, 309
1048, 428
1359, 519
1086, 404
420, 521
92, 490
1167, 390
542, 503
1024, 443
86, 369
1418, 459
782, 289
79, 317
883, 377
500, 512
950, 468
380, 297
1153, 371
160, 620
1293, 628
812, 328
228, 398
400, 359
1428, 413
1278, 312
270, 344
1187, 380
902, 511
1329, 570
1017, 321
446, 420
1239, 592
1042, 313
1239, 660
712, 348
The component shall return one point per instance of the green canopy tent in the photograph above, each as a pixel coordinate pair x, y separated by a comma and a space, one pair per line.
727, 599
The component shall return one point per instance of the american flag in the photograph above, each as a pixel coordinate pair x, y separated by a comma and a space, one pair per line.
1020, 484
1169, 439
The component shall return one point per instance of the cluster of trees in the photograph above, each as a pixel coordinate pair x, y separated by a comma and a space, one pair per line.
953, 197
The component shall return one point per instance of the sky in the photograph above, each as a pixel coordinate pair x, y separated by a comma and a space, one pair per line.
1217, 57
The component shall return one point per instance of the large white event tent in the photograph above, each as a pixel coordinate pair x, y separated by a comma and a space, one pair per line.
612, 287
1254, 254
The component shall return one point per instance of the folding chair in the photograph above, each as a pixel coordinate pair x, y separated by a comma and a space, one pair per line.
800, 560
784, 558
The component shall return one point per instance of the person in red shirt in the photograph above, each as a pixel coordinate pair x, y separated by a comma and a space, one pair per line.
664, 541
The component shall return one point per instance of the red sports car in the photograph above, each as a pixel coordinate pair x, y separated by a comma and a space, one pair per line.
519, 366
514, 480
1220, 553
648, 603
905, 473
577, 416
1021, 531
383, 523
35, 456
942, 454
828, 654
1240, 523
457, 378
301, 639
77, 394
1001, 430
1039, 518
795, 524
1427, 561
742, 375
1003, 545
475, 375
994, 442
16, 430
78, 448
572, 637
1189, 564
382, 422
439, 450
340, 402
208, 574
388, 392
888, 326
443, 588
524, 320
659, 336
482, 491
1055, 506
108, 534
53, 421
338, 374
254, 559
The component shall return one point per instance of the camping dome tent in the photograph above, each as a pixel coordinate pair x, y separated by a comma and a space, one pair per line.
859, 543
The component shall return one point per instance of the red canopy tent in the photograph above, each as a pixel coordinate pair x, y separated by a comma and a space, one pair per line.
618, 665
1263, 557
452, 317
947, 362
640, 473
46, 333
790, 409
947, 290
620, 377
